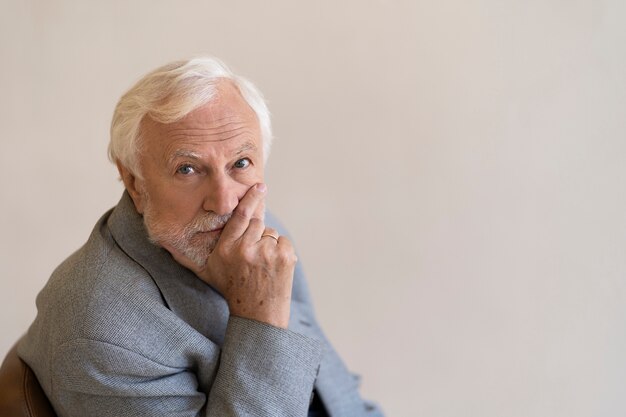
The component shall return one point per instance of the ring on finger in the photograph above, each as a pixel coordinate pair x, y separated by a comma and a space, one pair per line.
269, 235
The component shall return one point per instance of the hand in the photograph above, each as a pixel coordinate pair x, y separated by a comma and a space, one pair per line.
253, 273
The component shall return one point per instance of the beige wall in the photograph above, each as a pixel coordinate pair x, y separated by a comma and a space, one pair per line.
452, 171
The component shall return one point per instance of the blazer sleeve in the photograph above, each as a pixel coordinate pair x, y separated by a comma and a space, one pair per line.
260, 370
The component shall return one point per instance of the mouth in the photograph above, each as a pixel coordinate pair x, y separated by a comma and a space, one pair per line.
219, 229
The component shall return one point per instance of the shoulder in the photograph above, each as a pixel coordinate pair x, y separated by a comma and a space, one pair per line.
96, 293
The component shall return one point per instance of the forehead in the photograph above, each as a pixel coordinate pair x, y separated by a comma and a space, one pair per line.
227, 106
227, 118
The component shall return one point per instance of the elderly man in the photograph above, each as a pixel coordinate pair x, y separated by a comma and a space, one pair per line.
187, 299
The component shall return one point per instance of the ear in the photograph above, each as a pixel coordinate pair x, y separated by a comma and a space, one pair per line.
133, 185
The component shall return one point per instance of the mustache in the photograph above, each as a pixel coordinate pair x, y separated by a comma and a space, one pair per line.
207, 223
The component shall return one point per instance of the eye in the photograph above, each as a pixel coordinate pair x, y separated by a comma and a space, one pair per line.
242, 163
185, 169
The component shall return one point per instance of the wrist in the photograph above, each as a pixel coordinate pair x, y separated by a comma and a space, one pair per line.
274, 317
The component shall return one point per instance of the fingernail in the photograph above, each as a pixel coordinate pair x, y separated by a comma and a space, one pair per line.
261, 187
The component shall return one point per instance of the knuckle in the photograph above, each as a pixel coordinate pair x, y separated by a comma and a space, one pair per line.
267, 257
256, 222
220, 251
246, 253
242, 212
286, 256
252, 252
285, 244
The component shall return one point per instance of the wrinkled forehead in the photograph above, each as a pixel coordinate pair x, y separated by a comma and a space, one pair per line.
226, 118
226, 102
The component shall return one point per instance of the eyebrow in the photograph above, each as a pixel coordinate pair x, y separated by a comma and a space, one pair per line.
248, 146
185, 153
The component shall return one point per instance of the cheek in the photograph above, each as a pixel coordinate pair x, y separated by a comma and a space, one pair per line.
256, 178
175, 204
249, 178
241, 188
257, 169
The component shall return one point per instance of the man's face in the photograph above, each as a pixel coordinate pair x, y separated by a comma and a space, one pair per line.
196, 170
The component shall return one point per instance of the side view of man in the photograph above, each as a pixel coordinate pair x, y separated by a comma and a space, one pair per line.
187, 299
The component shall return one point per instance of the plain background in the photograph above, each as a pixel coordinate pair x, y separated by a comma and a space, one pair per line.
452, 172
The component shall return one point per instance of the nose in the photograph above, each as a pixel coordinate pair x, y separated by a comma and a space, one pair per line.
222, 195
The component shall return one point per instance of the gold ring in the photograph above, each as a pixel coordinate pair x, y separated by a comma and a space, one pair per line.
269, 235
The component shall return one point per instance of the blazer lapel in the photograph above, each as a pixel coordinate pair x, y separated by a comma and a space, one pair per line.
184, 293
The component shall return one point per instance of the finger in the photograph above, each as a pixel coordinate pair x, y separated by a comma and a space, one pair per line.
245, 210
255, 229
285, 243
270, 233
259, 213
287, 250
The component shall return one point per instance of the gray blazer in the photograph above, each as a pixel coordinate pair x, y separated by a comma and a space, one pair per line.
124, 330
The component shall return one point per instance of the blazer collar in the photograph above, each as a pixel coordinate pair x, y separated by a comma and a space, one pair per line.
183, 292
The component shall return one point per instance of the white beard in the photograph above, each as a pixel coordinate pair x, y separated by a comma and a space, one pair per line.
188, 239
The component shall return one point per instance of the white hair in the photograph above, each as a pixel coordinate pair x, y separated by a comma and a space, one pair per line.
168, 94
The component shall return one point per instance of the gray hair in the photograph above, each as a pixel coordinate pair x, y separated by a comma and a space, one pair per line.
168, 94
